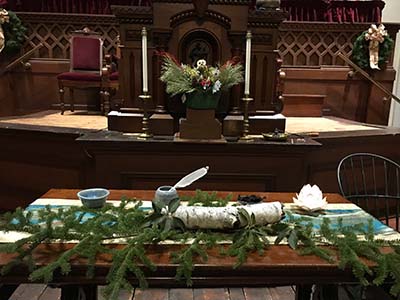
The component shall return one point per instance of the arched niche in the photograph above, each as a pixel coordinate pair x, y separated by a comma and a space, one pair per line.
199, 44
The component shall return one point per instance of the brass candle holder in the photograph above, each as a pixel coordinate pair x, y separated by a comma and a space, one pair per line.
145, 122
246, 124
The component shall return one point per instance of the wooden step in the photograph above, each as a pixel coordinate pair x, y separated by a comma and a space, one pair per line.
303, 105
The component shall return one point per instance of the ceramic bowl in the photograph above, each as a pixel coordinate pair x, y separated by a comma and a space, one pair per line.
166, 194
93, 198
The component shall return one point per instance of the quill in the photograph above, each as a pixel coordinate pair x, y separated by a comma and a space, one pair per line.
190, 178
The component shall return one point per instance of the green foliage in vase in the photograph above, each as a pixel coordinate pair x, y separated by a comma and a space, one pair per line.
135, 229
184, 79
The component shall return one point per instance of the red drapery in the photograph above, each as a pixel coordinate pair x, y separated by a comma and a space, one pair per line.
72, 6
334, 10
299, 10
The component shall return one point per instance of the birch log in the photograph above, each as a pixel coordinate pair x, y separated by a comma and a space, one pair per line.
228, 217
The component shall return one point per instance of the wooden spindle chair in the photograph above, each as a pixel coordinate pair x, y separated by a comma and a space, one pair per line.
372, 182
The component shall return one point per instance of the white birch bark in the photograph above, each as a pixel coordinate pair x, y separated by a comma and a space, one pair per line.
227, 217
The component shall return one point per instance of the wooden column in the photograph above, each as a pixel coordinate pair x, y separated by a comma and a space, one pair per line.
237, 40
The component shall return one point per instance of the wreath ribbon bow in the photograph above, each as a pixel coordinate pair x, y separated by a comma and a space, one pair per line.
375, 35
4, 18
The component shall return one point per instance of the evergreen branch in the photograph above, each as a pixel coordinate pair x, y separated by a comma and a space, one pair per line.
45, 273
248, 239
207, 199
126, 260
185, 257
92, 227
231, 75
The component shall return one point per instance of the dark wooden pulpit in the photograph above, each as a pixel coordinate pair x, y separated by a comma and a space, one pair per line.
214, 30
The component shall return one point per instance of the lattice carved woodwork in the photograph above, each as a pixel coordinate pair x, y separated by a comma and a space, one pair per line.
300, 43
53, 30
316, 44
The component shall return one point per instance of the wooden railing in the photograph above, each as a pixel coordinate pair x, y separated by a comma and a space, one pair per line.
21, 60
368, 77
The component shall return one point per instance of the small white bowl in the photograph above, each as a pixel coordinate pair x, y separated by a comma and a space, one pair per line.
93, 198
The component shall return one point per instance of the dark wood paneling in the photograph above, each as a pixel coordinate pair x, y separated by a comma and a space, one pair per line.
303, 105
36, 88
121, 162
345, 96
7, 103
213, 181
32, 161
36, 159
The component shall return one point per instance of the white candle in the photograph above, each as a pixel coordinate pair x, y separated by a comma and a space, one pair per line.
144, 60
248, 62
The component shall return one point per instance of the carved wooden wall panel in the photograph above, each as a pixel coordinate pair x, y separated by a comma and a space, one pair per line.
53, 30
300, 43
316, 44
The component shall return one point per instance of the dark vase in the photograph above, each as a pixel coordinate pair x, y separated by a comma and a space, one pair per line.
202, 100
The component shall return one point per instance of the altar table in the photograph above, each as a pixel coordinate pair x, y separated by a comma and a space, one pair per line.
280, 265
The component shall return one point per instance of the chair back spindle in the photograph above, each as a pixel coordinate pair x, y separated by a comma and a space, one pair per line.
372, 182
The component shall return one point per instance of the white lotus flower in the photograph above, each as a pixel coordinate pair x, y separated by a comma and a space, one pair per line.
310, 198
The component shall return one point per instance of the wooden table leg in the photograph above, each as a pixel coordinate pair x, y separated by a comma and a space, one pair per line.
79, 292
303, 291
7, 290
317, 292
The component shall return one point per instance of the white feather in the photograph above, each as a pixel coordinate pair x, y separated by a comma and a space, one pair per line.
190, 178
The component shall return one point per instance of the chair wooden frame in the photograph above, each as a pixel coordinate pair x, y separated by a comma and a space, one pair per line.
104, 83
362, 181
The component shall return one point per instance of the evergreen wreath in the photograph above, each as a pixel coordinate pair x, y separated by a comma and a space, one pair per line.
14, 33
360, 53
337, 244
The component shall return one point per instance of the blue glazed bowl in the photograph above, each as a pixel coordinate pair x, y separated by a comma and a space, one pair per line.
93, 198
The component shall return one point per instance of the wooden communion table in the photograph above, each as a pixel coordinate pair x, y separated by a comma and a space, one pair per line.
280, 265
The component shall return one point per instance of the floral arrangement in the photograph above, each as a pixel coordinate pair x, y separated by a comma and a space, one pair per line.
185, 79
12, 32
372, 48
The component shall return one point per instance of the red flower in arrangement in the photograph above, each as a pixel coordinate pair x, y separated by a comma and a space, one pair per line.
3, 2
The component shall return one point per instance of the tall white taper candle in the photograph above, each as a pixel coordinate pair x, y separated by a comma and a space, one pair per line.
144, 60
248, 63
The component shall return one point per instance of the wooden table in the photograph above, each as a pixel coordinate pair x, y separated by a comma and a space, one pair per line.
280, 265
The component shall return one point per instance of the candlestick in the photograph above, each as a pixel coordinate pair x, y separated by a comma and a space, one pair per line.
246, 124
145, 121
144, 60
248, 63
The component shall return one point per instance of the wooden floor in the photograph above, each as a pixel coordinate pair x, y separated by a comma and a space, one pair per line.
95, 121
43, 292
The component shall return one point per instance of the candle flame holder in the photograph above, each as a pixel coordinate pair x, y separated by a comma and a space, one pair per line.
145, 122
246, 124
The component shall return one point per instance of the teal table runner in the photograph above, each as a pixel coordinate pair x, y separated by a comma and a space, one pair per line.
349, 213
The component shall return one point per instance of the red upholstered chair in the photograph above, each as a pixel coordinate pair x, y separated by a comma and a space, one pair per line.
86, 69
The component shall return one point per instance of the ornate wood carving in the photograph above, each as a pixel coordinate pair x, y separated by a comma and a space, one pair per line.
299, 43
217, 2
133, 14
317, 44
210, 15
53, 30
